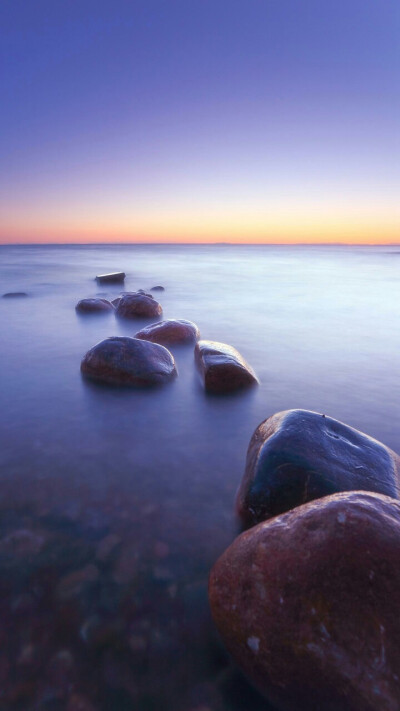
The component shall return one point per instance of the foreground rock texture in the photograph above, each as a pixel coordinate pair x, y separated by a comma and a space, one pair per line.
85, 306
297, 456
112, 278
129, 361
307, 604
170, 331
138, 305
222, 367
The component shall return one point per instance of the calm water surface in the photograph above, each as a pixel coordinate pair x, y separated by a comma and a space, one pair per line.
115, 504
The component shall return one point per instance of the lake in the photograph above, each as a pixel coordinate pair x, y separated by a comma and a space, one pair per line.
116, 502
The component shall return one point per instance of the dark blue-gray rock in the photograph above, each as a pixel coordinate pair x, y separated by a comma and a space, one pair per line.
97, 305
222, 367
306, 603
157, 288
113, 278
296, 456
170, 331
129, 361
14, 295
138, 305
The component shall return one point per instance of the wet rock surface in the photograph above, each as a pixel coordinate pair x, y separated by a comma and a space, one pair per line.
138, 305
127, 361
170, 331
112, 278
222, 367
307, 604
85, 306
297, 456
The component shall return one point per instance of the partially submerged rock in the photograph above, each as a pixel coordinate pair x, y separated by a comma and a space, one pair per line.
170, 331
14, 294
222, 367
85, 306
138, 305
112, 278
157, 288
296, 456
307, 604
129, 361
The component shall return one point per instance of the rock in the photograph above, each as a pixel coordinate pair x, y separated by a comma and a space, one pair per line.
116, 301
222, 367
85, 306
22, 542
107, 546
74, 583
157, 288
307, 604
169, 332
297, 456
113, 278
121, 360
138, 305
14, 294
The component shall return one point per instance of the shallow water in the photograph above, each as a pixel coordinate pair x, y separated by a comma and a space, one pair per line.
152, 475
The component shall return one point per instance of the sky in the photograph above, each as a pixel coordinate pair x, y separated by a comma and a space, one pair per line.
200, 121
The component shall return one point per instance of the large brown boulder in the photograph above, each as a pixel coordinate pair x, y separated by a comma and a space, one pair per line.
170, 332
85, 306
222, 367
138, 305
128, 361
297, 456
307, 604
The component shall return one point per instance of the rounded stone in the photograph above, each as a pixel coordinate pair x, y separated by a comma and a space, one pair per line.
138, 305
307, 604
222, 367
129, 361
170, 331
297, 456
86, 306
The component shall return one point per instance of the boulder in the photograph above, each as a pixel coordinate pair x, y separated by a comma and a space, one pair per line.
128, 361
157, 288
138, 305
113, 278
85, 306
14, 294
222, 367
307, 604
170, 331
297, 456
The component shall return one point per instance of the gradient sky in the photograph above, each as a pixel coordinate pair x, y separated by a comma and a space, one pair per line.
200, 120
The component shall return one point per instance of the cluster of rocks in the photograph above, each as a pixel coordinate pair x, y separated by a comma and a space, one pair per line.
306, 598
144, 360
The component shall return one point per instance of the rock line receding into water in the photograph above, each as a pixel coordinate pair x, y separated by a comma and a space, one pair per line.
297, 456
129, 361
112, 278
138, 305
170, 331
307, 604
85, 306
222, 367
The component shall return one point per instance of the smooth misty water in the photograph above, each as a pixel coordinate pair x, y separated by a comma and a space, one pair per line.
154, 473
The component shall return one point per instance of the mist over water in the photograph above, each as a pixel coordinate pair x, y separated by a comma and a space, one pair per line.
319, 325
